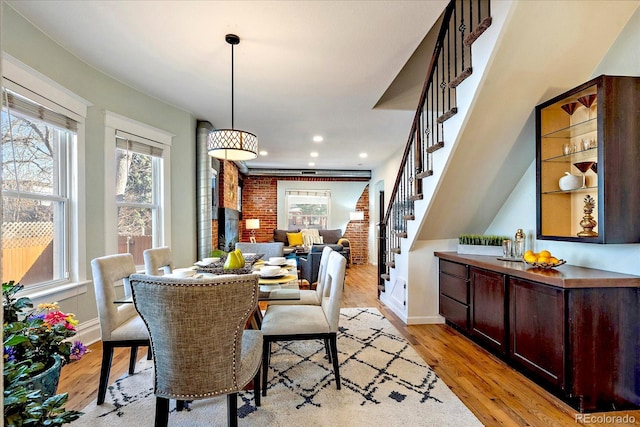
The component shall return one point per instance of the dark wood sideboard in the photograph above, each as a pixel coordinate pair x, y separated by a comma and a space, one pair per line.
574, 330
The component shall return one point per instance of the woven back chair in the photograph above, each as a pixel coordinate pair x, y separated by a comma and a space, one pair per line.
120, 325
200, 345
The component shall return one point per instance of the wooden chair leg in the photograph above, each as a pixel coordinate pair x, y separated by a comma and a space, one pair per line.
105, 369
162, 412
132, 359
266, 345
232, 409
334, 355
256, 388
327, 348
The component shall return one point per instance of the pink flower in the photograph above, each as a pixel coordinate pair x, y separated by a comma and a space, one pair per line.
54, 317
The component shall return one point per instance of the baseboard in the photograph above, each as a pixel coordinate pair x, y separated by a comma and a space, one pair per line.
88, 332
425, 320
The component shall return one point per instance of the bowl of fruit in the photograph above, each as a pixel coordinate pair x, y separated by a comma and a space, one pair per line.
543, 259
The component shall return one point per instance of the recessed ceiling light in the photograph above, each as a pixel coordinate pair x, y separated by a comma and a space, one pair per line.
312, 164
318, 138
363, 155
314, 154
263, 152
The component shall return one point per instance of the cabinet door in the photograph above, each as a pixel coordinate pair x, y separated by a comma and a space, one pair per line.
488, 301
537, 331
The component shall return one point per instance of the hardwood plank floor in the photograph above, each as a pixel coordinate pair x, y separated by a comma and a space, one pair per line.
493, 391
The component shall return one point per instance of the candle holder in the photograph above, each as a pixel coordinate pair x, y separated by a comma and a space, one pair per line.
588, 223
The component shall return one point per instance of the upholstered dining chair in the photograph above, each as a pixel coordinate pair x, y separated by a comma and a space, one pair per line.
201, 348
156, 259
311, 296
305, 322
120, 325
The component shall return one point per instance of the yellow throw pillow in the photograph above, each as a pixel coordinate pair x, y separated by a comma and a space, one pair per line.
295, 239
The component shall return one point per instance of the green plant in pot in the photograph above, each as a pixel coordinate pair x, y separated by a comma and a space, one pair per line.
36, 345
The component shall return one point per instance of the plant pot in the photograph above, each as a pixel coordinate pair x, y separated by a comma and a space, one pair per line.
47, 380
480, 250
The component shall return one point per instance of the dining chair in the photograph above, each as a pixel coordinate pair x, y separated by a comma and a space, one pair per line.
306, 322
156, 259
311, 296
120, 324
201, 348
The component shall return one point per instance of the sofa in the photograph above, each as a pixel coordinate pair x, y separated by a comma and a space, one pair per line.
330, 237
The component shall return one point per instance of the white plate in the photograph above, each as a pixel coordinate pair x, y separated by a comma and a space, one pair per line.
277, 274
278, 265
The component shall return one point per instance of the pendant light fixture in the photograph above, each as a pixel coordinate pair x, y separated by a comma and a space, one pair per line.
232, 144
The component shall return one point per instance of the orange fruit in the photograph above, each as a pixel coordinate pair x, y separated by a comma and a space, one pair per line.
545, 254
554, 260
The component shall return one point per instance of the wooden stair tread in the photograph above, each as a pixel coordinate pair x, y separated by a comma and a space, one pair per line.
402, 234
435, 147
385, 277
481, 28
416, 197
447, 115
460, 78
395, 250
410, 217
424, 174
390, 264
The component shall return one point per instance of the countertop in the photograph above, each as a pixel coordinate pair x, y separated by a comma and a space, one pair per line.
565, 276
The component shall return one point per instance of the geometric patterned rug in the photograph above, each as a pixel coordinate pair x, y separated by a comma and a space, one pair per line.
384, 383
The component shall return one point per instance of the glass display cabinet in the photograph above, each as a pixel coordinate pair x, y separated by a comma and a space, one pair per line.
588, 163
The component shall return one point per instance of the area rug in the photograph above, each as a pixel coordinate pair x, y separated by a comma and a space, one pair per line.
384, 383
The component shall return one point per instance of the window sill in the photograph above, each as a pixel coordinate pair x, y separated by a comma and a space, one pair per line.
56, 292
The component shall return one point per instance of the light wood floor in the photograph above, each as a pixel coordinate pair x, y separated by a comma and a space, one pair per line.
494, 392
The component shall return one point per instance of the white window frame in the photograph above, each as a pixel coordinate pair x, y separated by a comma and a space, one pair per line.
310, 193
117, 124
33, 85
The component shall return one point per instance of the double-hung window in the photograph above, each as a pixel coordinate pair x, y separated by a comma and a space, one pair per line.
138, 196
42, 127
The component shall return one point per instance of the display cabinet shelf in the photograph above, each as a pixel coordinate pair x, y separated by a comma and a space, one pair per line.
592, 131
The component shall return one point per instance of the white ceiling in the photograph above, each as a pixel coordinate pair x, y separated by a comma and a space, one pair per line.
302, 67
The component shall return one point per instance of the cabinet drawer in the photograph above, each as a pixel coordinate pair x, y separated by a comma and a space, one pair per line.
454, 269
454, 287
455, 312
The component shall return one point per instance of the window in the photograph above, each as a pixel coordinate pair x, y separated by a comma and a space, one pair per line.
138, 167
137, 184
37, 152
307, 208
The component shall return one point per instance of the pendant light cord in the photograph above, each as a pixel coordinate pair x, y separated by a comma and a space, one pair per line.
232, 85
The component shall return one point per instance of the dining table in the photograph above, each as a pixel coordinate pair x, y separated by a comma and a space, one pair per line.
284, 285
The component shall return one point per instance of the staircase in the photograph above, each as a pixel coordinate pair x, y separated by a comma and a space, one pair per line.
463, 21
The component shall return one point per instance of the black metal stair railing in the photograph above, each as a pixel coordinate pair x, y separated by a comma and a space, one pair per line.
450, 64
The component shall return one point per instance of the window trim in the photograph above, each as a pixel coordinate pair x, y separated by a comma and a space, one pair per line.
308, 192
118, 125
31, 84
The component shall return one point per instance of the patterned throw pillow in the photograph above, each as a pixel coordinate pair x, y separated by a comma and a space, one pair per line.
295, 239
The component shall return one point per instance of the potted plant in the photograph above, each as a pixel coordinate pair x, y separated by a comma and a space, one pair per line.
478, 244
36, 345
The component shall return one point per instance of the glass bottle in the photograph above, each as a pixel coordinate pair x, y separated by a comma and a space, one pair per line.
519, 243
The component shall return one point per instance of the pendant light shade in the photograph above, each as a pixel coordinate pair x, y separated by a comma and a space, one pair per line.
232, 144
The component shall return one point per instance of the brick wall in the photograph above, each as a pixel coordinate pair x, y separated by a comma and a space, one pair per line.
259, 201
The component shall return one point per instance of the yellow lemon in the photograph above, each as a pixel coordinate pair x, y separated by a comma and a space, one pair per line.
542, 259
529, 252
530, 258
544, 253
554, 260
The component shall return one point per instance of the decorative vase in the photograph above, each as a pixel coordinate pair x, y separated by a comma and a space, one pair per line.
47, 380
